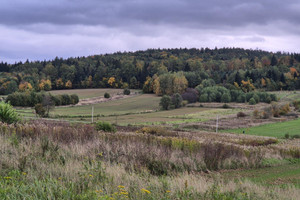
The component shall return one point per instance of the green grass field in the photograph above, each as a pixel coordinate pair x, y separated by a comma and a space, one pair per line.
90, 93
287, 95
136, 110
273, 130
276, 175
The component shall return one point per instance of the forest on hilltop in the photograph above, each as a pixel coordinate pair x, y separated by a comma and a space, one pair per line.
228, 67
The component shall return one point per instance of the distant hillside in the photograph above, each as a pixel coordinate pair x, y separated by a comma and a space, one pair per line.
265, 70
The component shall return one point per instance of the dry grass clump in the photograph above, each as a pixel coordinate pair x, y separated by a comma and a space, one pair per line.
156, 130
80, 170
58, 131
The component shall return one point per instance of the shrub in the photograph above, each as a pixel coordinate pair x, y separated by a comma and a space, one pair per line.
126, 91
284, 109
155, 130
252, 101
177, 100
241, 114
74, 99
296, 136
106, 95
256, 97
241, 98
8, 114
191, 95
184, 103
226, 98
256, 113
296, 104
105, 126
40, 110
165, 102
203, 98
225, 106
65, 99
287, 136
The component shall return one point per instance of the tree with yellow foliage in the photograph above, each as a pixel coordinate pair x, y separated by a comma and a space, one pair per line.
68, 84
45, 85
59, 83
111, 81
247, 86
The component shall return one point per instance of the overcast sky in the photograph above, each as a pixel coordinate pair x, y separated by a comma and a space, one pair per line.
44, 29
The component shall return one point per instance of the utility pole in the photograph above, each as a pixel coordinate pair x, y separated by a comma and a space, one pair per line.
92, 114
217, 124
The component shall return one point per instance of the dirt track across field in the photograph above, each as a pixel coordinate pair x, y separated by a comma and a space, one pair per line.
96, 100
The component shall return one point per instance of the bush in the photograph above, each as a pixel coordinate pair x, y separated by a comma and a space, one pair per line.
284, 109
106, 95
226, 98
40, 110
126, 91
74, 99
256, 113
65, 99
256, 98
165, 102
184, 103
241, 114
105, 126
226, 106
287, 136
155, 130
8, 114
190, 95
241, 98
177, 100
252, 101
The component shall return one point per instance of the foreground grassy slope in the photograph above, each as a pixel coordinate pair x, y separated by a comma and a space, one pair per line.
55, 160
273, 130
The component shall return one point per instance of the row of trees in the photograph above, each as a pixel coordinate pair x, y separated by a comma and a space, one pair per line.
30, 99
264, 70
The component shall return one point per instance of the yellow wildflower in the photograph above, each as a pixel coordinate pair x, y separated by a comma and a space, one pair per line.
125, 193
24, 173
90, 175
168, 191
145, 191
121, 186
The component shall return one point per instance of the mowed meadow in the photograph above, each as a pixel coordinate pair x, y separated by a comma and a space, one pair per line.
136, 109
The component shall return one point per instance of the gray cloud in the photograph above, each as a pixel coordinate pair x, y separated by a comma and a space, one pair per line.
119, 12
38, 29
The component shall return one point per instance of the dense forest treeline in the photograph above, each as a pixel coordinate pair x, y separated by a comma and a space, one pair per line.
154, 70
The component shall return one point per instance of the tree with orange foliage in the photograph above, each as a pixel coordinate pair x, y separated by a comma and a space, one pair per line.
25, 86
263, 82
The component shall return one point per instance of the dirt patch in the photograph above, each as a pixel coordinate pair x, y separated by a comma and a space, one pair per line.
96, 100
